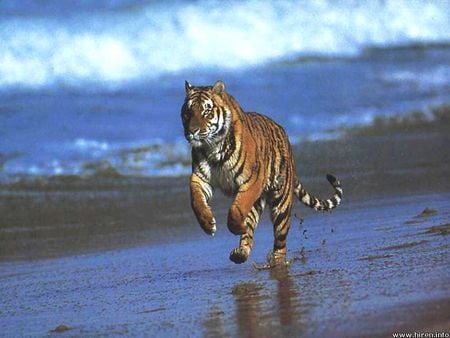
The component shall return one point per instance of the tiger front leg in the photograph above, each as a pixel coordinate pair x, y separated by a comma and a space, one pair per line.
201, 192
240, 254
246, 197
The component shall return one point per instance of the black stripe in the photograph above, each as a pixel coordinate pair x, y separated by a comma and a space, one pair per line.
316, 203
223, 130
281, 238
245, 182
258, 207
281, 246
231, 147
282, 163
239, 155
241, 168
251, 226
240, 212
303, 192
281, 216
245, 236
272, 168
251, 216
203, 175
276, 201
334, 201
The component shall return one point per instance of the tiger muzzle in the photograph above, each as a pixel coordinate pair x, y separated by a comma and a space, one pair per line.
193, 136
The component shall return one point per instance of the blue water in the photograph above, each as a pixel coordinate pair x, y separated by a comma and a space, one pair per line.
92, 83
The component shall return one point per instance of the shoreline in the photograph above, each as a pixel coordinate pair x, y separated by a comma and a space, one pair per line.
51, 216
132, 163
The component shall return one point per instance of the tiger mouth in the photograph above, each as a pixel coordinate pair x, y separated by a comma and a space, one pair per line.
199, 136
196, 143
196, 140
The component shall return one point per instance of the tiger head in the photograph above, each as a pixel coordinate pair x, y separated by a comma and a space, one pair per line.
205, 119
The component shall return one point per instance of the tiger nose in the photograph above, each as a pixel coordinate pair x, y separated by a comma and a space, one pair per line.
193, 134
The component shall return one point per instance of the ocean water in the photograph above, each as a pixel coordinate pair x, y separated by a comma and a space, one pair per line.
86, 85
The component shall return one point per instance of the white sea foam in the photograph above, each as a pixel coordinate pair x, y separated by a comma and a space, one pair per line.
111, 47
151, 158
427, 79
90, 145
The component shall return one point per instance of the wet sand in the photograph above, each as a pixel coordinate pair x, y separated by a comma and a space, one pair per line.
124, 256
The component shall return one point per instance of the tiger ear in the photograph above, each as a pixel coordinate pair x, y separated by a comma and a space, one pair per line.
187, 86
219, 87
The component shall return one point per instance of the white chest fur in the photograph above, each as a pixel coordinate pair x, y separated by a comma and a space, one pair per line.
224, 179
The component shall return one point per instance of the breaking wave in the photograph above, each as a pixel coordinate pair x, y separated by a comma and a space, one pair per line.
121, 41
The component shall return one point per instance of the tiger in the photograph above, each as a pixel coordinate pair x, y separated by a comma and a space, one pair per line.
249, 157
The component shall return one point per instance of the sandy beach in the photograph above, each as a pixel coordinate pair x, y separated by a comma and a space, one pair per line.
124, 256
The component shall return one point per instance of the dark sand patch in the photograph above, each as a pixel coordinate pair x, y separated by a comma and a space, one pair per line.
403, 246
153, 310
427, 212
60, 329
423, 216
374, 257
414, 221
307, 273
417, 316
436, 119
246, 289
386, 228
443, 229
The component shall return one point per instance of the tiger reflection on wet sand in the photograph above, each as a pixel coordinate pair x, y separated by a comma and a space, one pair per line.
249, 157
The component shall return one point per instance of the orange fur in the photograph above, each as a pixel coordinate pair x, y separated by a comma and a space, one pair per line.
248, 156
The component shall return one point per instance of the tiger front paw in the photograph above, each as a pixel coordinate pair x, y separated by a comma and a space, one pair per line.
207, 222
235, 222
239, 255
209, 227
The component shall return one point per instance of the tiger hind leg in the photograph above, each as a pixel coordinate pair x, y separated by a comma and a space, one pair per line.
240, 254
281, 205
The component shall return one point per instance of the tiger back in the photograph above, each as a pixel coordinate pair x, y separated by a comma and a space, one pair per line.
249, 157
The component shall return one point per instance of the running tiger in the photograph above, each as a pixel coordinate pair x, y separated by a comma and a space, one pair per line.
248, 156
